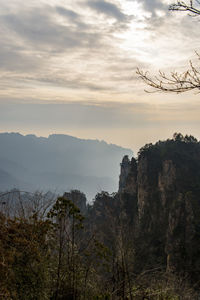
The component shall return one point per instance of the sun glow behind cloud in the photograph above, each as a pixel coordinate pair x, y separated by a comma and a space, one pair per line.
80, 47
87, 52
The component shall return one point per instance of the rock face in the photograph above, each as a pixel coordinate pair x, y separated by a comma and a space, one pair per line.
164, 189
128, 175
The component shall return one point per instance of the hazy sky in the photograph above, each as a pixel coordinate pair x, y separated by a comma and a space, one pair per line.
69, 66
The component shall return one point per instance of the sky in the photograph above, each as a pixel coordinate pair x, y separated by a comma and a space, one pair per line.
69, 66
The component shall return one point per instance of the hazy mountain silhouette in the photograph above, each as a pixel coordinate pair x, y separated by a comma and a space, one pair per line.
59, 162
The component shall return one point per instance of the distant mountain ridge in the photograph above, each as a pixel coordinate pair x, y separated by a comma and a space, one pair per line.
59, 162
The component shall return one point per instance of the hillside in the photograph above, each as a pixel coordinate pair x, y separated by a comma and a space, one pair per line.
142, 242
155, 219
59, 163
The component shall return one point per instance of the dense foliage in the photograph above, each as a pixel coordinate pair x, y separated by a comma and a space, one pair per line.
112, 249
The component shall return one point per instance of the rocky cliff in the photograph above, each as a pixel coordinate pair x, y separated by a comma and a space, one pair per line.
153, 221
162, 190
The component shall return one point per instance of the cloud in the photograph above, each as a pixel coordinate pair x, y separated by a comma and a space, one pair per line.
36, 36
67, 13
108, 9
153, 6
55, 46
13, 59
66, 50
42, 31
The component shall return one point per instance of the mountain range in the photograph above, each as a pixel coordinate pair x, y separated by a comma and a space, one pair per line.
59, 163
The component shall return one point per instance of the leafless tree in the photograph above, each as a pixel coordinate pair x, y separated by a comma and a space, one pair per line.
24, 204
193, 7
176, 82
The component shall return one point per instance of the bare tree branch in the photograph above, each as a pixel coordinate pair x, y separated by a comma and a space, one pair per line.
174, 82
190, 7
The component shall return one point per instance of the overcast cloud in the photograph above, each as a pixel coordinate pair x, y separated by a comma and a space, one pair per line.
87, 51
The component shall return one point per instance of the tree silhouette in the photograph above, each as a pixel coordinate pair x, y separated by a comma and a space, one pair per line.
176, 82
192, 7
